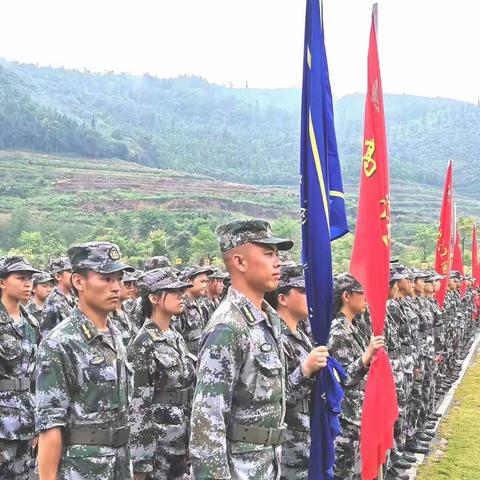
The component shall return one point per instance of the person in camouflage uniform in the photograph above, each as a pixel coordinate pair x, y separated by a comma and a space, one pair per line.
60, 302
135, 310
119, 316
129, 304
393, 345
303, 362
42, 288
354, 352
84, 382
191, 322
164, 383
238, 410
215, 290
19, 336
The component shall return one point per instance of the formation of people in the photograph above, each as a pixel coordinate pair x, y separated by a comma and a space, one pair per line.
108, 372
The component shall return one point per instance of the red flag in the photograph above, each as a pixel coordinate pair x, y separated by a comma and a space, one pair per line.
444, 239
370, 264
457, 260
475, 264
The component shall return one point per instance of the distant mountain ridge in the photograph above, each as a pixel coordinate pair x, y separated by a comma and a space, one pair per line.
244, 135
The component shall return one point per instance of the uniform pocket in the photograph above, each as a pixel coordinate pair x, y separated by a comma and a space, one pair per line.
88, 462
101, 388
268, 384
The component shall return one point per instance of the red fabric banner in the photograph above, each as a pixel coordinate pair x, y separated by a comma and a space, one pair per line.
370, 264
443, 263
457, 260
475, 264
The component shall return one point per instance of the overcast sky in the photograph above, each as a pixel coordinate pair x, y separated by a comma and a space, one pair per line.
427, 47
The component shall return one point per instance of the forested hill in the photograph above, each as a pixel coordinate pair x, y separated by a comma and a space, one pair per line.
246, 135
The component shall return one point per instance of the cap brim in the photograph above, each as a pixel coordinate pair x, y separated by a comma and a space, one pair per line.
112, 268
280, 243
177, 285
31, 270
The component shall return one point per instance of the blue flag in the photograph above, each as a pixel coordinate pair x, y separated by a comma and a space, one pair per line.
323, 219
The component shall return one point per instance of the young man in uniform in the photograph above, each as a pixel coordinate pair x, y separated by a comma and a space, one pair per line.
238, 411
83, 379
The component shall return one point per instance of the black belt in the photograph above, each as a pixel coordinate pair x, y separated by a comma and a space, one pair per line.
177, 397
15, 384
92, 436
257, 435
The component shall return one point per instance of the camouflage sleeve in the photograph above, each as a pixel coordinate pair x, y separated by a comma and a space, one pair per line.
299, 386
218, 367
50, 318
53, 378
143, 428
338, 347
178, 323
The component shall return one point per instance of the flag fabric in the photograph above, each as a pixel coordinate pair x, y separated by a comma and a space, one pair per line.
323, 219
370, 265
475, 264
443, 256
457, 259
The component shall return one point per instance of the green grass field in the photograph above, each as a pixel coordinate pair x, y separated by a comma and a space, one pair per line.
457, 454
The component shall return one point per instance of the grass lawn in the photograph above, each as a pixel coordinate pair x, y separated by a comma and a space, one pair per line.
457, 454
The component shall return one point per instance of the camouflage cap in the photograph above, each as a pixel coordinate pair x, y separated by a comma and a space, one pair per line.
58, 265
156, 262
345, 282
397, 274
419, 274
434, 276
401, 270
291, 276
15, 263
100, 257
138, 274
238, 232
129, 277
162, 279
455, 275
218, 274
191, 272
286, 258
42, 277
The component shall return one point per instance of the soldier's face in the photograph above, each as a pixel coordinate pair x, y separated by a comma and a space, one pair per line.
436, 286
64, 278
99, 291
126, 291
419, 286
200, 285
43, 290
17, 286
296, 302
261, 266
220, 287
356, 301
429, 287
173, 304
404, 286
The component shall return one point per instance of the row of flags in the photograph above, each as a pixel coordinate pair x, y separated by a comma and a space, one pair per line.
324, 220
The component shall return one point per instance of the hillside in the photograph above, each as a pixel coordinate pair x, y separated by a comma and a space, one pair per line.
244, 135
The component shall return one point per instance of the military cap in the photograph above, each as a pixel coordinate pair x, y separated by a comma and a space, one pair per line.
402, 270
194, 270
345, 282
100, 257
434, 276
58, 265
417, 273
129, 277
41, 277
156, 262
15, 263
397, 274
238, 232
286, 258
455, 275
218, 274
162, 279
291, 276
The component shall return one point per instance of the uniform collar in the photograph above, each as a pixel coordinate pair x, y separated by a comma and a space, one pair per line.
250, 312
86, 327
4, 316
155, 332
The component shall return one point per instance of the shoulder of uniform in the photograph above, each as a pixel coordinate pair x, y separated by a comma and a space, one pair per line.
229, 316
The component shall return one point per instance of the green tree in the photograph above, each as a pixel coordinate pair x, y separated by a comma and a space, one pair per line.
204, 244
425, 239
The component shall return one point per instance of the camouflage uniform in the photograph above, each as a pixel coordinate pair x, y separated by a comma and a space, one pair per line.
164, 382
127, 329
84, 385
160, 415
296, 446
239, 403
18, 348
57, 307
32, 308
347, 344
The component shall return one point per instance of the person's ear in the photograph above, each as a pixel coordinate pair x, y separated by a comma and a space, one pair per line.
238, 261
346, 297
282, 300
78, 282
